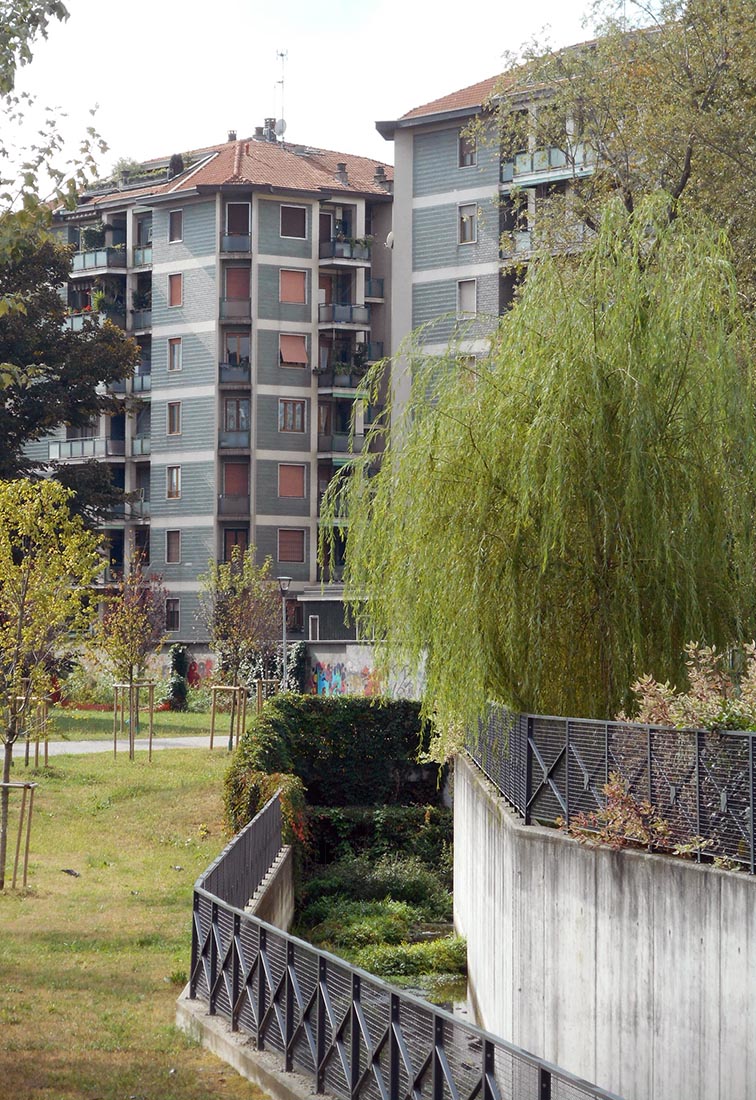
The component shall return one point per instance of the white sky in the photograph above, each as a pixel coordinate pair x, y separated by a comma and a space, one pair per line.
170, 77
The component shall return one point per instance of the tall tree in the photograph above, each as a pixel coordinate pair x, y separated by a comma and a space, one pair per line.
663, 98
570, 511
47, 561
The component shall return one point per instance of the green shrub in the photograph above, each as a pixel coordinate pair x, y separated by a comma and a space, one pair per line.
246, 794
352, 925
447, 955
347, 751
406, 880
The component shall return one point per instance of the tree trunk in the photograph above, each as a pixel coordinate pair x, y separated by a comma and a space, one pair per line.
4, 796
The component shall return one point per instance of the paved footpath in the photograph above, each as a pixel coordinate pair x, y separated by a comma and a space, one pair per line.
141, 744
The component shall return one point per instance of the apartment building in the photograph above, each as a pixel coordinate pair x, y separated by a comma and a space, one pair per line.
252, 275
464, 209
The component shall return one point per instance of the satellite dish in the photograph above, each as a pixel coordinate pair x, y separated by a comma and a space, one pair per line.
389, 242
280, 127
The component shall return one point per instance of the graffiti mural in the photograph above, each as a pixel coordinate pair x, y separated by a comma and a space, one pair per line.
340, 678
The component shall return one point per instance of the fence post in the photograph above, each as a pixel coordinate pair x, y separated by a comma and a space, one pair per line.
490, 1091
648, 765
528, 769
261, 945
320, 1019
699, 740
544, 1084
752, 799
567, 770
235, 972
438, 1046
289, 1018
195, 947
354, 1038
394, 1025
213, 956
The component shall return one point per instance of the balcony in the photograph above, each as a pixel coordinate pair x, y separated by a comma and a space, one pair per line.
235, 242
374, 289
235, 373
140, 445
99, 259
234, 439
141, 383
75, 321
340, 443
99, 447
233, 505
141, 318
582, 159
235, 309
333, 314
342, 376
374, 351
138, 510
142, 255
354, 253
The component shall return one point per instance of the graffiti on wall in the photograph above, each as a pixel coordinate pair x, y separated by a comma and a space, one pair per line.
340, 678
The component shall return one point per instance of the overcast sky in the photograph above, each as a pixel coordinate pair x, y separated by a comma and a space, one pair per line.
170, 77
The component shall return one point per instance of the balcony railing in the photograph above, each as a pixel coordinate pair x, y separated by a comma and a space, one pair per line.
142, 255
374, 350
234, 309
99, 447
234, 439
341, 377
374, 288
141, 383
234, 372
140, 445
75, 321
141, 318
99, 257
547, 160
343, 315
233, 505
345, 250
236, 242
340, 443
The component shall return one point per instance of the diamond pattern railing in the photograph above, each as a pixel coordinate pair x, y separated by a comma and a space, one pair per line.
353, 1035
702, 782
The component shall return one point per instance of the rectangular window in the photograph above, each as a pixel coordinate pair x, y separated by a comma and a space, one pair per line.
234, 536
236, 414
291, 480
237, 219
174, 418
237, 349
175, 226
294, 221
172, 547
467, 296
468, 223
325, 225
173, 482
467, 150
175, 290
172, 613
313, 629
291, 415
291, 544
174, 353
293, 287
292, 350
237, 283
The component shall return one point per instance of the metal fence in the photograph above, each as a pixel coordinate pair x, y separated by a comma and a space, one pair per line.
702, 783
352, 1034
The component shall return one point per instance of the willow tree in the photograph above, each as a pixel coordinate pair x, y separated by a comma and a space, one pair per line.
554, 519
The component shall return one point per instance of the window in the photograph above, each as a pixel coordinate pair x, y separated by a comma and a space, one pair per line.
313, 628
294, 221
325, 225
468, 223
291, 415
174, 353
172, 547
237, 219
236, 414
234, 536
172, 613
175, 226
237, 283
237, 349
291, 544
467, 150
292, 350
175, 290
173, 482
293, 287
291, 480
174, 418
236, 479
467, 296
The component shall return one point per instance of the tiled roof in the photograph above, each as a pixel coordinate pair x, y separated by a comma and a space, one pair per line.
265, 164
473, 96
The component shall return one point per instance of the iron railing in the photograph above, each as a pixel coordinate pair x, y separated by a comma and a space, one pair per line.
702, 783
353, 1035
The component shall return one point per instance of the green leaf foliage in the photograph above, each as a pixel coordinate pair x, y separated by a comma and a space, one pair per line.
421, 831
567, 512
363, 878
346, 750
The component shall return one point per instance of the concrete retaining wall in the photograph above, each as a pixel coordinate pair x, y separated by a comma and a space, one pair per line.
273, 901
632, 970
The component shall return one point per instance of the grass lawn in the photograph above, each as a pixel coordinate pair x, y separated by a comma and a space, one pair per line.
97, 725
90, 966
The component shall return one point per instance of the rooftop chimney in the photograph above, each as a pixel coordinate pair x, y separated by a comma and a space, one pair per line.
259, 135
341, 172
232, 135
380, 174
270, 129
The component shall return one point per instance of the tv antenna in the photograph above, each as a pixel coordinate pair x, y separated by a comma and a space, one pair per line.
282, 56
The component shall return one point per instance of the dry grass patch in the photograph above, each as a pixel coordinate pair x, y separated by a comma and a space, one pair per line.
91, 966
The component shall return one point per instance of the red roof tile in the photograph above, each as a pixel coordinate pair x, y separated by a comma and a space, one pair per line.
473, 96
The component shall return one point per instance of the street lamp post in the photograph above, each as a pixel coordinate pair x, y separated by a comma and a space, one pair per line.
283, 586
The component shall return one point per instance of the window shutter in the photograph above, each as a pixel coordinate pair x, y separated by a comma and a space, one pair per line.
290, 544
291, 481
293, 350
